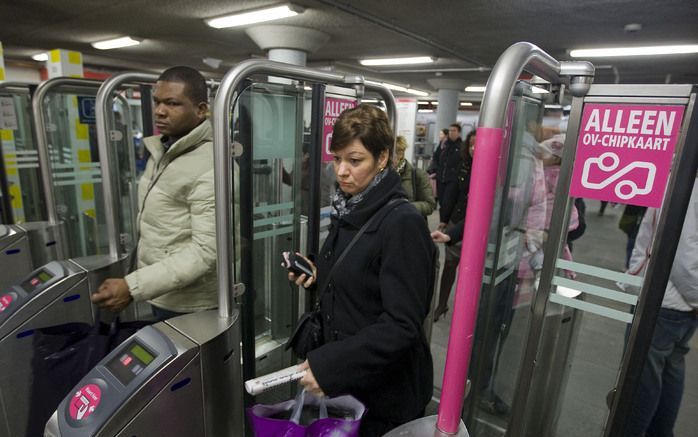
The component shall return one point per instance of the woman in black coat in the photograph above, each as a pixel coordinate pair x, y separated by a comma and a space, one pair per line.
377, 299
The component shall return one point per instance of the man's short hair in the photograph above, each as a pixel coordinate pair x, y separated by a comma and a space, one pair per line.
456, 125
194, 82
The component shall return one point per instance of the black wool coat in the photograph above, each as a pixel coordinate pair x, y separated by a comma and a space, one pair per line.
374, 306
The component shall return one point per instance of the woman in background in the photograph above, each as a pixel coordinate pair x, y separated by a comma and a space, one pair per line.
415, 181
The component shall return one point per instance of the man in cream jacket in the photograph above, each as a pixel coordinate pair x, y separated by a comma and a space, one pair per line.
176, 270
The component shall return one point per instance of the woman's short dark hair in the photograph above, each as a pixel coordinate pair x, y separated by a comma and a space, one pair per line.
367, 124
444, 131
194, 82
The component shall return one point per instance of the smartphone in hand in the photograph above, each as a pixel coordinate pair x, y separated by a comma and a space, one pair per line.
296, 264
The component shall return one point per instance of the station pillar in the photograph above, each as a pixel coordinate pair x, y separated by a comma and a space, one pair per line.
447, 109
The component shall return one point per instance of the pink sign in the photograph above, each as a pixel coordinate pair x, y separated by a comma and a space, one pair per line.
333, 107
5, 301
624, 152
85, 401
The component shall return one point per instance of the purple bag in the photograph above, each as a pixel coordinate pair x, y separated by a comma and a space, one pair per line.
308, 416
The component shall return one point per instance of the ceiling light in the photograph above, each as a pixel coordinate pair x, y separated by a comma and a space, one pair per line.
116, 43
539, 90
369, 100
417, 92
553, 106
634, 51
466, 103
40, 57
397, 61
475, 89
399, 88
307, 88
255, 16
425, 110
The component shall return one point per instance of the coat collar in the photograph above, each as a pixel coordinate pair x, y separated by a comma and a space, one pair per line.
200, 134
389, 188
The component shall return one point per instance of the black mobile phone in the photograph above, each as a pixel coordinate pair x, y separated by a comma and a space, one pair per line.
296, 264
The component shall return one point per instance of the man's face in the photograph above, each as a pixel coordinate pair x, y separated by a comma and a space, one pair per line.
453, 133
175, 114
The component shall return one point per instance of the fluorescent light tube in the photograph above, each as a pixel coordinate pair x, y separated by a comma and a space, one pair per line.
425, 110
475, 89
397, 61
466, 103
116, 43
634, 51
40, 57
256, 16
399, 88
538, 90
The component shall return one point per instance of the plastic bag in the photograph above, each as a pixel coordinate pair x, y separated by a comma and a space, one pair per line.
308, 416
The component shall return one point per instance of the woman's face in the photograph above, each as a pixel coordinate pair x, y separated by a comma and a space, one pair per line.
471, 146
355, 167
399, 154
442, 136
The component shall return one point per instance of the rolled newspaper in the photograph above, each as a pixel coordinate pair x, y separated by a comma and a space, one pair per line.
263, 383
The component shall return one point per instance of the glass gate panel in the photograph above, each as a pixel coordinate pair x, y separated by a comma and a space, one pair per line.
127, 144
512, 269
74, 157
591, 295
20, 157
268, 122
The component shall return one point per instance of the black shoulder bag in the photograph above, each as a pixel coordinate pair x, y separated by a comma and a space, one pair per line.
307, 335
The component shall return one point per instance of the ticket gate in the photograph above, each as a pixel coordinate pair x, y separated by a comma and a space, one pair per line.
178, 377
24, 247
15, 256
52, 295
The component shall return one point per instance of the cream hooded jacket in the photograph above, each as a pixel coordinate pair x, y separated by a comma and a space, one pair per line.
176, 222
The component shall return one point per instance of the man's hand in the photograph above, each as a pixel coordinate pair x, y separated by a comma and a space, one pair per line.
113, 295
440, 237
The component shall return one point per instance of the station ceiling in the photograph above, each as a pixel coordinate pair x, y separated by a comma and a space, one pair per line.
465, 37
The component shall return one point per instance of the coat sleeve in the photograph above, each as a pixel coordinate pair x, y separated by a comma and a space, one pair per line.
425, 202
359, 362
188, 264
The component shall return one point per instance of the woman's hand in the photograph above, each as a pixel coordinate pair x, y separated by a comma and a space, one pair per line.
303, 279
440, 237
309, 382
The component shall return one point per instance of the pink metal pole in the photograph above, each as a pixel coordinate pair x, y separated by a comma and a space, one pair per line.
483, 180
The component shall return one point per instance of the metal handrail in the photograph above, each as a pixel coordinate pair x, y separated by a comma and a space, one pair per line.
103, 108
41, 139
222, 113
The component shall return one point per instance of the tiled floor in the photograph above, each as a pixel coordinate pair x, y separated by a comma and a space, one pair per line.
594, 361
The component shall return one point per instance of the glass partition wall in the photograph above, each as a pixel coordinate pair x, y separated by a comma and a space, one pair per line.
76, 171
22, 184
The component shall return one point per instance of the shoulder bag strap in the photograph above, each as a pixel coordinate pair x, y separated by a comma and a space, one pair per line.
390, 205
